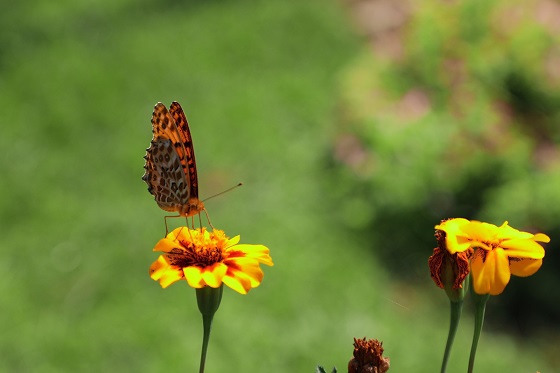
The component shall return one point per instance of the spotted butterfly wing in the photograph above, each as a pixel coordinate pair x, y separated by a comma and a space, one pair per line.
170, 164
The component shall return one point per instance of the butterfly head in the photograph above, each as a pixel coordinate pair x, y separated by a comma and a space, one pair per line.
193, 207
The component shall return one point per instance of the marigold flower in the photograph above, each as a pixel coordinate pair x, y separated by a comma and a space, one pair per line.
209, 259
499, 252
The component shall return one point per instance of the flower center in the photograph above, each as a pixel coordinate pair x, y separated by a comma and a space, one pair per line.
486, 245
193, 255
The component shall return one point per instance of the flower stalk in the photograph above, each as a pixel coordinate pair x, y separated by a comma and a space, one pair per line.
456, 310
208, 300
480, 309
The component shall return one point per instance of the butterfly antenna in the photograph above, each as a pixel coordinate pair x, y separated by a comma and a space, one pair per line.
219, 194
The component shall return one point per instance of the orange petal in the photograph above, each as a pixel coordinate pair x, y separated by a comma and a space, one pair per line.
524, 267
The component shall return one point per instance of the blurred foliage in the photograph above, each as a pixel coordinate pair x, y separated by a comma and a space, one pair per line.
463, 121
257, 79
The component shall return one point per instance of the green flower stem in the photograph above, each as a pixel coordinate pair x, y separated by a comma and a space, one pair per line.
207, 325
480, 308
456, 297
208, 300
456, 308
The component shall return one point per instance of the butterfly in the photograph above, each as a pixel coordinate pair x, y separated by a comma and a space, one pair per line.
170, 169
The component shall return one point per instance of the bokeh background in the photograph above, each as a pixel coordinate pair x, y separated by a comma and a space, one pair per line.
355, 127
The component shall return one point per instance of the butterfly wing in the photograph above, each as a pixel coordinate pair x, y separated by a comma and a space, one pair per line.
170, 166
182, 124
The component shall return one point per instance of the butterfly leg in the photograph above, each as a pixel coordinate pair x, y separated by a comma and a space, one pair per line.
166, 229
207, 218
165, 220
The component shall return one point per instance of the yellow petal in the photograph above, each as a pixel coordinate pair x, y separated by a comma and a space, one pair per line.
179, 234
541, 237
455, 239
158, 268
523, 248
170, 277
492, 276
193, 275
239, 285
161, 271
233, 241
509, 233
524, 267
166, 245
451, 224
245, 269
258, 252
213, 275
481, 232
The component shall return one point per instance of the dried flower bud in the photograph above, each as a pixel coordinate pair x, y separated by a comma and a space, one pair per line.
449, 270
368, 357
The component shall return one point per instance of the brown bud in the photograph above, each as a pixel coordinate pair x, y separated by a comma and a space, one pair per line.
368, 357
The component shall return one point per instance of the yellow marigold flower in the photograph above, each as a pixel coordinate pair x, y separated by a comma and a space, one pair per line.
209, 259
499, 252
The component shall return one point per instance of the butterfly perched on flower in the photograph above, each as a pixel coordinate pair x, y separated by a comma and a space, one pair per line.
170, 164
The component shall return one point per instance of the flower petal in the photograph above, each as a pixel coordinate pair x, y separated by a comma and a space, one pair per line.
243, 272
492, 275
258, 252
242, 286
541, 237
246, 268
455, 239
162, 271
213, 275
510, 233
206, 258
193, 274
523, 248
158, 268
480, 233
166, 245
233, 241
181, 234
524, 267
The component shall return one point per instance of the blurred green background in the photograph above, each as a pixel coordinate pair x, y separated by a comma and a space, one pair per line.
354, 126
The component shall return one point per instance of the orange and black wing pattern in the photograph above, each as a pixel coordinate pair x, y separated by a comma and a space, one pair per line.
170, 168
